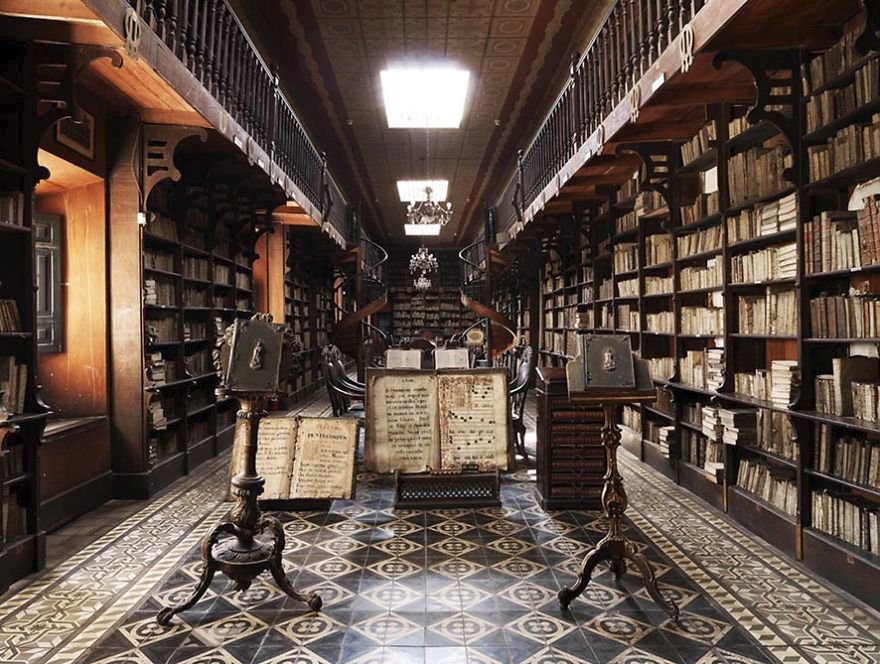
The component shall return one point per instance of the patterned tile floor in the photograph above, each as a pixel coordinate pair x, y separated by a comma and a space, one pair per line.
438, 586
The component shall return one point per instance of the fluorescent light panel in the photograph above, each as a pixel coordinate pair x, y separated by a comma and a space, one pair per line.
414, 190
426, 97
422, 229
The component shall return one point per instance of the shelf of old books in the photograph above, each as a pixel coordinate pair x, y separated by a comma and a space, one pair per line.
22, 415
197, 279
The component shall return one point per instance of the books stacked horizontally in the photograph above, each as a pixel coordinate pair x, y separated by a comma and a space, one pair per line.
10, 321
711, 424
858, 524
664, 436
783, 380
740, 425
763, 219
848, 458
156, 414
773, 485
156, 369
13, 384
778, 262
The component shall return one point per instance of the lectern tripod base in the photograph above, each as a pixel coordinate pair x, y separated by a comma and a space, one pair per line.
615, 547
243, 557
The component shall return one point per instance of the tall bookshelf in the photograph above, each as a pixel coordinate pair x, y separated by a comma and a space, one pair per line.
23, 416
310, 309
758, 312
197, 280
438, 310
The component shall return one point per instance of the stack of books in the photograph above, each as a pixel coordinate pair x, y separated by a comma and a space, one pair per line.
771, 263
740, 425
783, 379
711, 423
764, 219
664, 435
156, 414
156, 373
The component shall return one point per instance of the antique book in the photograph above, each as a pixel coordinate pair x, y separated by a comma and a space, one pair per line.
302, 457
453, 419
452, 358
396, 358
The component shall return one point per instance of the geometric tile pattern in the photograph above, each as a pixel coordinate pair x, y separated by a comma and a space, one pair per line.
438, 586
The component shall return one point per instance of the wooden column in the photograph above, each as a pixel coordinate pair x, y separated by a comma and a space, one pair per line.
125, 322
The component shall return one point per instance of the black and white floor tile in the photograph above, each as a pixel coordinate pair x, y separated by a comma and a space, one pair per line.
436, 586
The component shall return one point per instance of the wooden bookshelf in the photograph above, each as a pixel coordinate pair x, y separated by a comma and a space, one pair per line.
438, 310
22, 547
750, 257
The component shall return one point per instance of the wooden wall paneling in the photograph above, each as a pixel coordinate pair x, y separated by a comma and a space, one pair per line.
75, 380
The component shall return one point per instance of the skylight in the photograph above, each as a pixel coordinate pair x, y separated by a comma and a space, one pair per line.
422, 229
424, 97
414, 190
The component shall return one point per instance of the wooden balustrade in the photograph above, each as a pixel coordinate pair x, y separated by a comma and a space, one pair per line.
632, 37
208, 39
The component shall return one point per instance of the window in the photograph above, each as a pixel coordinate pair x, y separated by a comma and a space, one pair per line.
47, 262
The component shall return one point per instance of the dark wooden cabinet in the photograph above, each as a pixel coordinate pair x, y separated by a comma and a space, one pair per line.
571, 458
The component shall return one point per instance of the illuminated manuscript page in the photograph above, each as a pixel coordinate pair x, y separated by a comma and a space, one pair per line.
473, 419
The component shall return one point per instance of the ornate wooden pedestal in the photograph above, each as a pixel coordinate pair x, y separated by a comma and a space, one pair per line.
243, 557
614, 547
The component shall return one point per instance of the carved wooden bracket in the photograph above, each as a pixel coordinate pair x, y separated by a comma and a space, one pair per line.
778, 85
56, 78
869, 40
658, 163
157, 152
686, 47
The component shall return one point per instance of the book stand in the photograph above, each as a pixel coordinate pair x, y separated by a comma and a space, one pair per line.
614, 547
253, 359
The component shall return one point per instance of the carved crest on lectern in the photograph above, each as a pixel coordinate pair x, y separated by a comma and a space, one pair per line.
255, 356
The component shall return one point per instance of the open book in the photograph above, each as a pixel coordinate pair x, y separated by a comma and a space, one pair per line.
436, 420
303, 457
396, 358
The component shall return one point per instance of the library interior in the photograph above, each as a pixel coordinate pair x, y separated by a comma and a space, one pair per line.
439, 331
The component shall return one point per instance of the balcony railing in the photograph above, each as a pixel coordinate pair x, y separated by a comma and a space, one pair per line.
633, 36
208, 39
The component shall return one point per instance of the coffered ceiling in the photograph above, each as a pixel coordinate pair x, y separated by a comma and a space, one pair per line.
330, 53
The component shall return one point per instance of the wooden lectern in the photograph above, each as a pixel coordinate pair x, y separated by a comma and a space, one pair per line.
254, 360
604, 374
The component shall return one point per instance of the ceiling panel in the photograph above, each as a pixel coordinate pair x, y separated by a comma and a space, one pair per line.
331, 52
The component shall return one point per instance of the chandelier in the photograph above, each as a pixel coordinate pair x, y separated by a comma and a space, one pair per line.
428, 212
422, 283
423, 261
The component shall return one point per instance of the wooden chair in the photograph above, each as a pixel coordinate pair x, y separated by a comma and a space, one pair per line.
341, 390
519, 389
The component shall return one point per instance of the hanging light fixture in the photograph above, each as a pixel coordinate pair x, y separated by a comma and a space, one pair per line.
423, 261
422, 283
427, 217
